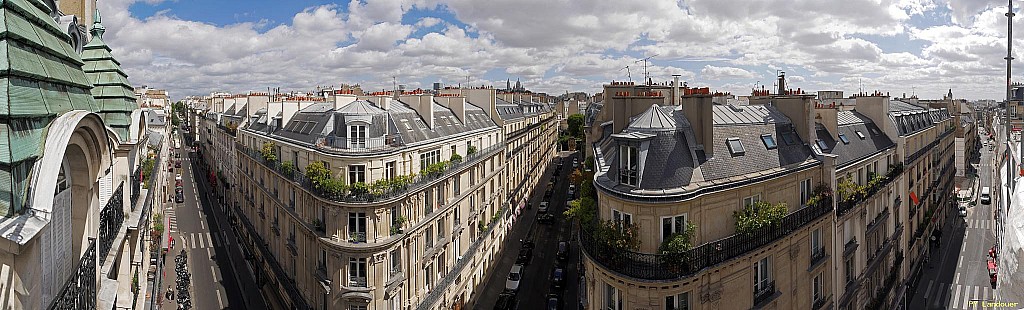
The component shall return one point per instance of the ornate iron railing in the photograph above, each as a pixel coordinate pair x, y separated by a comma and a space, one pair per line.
762, 294
136, 185
456, 271
667, 267
856, 198
283, 278
417, 182
817, 254
79, 292
111, 218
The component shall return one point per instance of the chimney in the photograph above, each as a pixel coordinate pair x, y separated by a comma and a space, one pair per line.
257, 101
698, 108
876, 109
456, 103
423, 104
800, 111
288, 109
675, 90
485, 99
782, 83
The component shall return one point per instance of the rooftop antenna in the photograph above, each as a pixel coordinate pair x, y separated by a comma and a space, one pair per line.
913, 91
627, 73
647, 76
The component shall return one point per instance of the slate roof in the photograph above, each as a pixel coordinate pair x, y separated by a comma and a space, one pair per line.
41, 75
519, 108
910, 119
670, 159
850, 123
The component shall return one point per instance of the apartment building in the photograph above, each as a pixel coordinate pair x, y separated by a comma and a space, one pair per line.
72, 202
665, 163
415, 202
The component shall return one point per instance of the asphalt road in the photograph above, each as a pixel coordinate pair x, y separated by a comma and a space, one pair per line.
957, 273
536, 285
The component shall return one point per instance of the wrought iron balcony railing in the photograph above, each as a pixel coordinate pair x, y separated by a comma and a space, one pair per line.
292, 247
455, 272
856, 198
111, 218
668, 267
321, 274
817, 255
762, 294
79, 291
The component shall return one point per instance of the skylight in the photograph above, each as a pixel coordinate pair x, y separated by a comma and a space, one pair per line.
843, 137
769, 141
860, 134
789, 138
822, 145
735, 146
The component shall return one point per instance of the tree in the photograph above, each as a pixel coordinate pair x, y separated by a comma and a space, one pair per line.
575, 122
583, 209
269, 151
576, 177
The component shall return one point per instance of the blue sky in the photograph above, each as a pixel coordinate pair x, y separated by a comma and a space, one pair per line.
194, 47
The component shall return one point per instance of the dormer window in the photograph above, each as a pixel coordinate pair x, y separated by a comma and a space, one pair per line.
629, 160
735, 146
769, 141
789, 137
357, 137
844, 139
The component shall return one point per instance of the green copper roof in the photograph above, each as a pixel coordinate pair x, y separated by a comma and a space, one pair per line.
41, 77
113, 93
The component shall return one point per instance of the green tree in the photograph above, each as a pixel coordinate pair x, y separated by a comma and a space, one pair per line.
269, 151
758, 215
582, 209
575, 122
576, 177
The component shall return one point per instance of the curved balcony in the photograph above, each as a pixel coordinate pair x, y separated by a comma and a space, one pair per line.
79, 291
670, 267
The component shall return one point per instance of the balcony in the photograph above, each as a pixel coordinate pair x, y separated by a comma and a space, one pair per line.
79, 291
291, 245
455, 273
321, 276
357, 237
413, 185
868, 191
850, 247
343, 145
818, 304
136, 185
878, 220
762, 295
283, 278
666, 267
817, 256
111, 218
276, 228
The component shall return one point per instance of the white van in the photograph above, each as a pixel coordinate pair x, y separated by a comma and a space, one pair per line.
986, 195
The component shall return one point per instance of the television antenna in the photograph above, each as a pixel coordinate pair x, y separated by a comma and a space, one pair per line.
647, 75
627, 73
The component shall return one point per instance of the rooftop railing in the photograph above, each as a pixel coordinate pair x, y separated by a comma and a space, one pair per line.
668, 267
343, 144
414, 185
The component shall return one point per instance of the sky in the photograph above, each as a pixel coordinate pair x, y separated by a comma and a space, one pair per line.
922, 47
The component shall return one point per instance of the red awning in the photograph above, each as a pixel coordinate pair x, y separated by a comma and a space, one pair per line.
913, 197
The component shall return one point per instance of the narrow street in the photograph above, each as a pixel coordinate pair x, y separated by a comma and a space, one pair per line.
536, 284
957, 273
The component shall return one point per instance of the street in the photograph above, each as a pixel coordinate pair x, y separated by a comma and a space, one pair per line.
207, 242
957, 273
536, 286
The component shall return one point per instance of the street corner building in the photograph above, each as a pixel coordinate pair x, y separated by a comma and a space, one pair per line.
385, 200
852, 184
70, 208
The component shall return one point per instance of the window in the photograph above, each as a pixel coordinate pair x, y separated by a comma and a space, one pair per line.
429, 279
735, 146
679, 301
769, 141
816, 240
622, 219
389, 170
429, 158
671, 225
817, 288
357, 226
396, 261
805, 191
428, 235
612, 298
356, 174
629, 160
457, 184
440, 229
789, 137
751, 200
860, 135
428, 201
844, 139
822, 145
848, 266
357, 272
357, 136
762, 275
395, 302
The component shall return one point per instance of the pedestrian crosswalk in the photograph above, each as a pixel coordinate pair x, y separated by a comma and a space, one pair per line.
172, 219
197, 240
957, 296
981, 224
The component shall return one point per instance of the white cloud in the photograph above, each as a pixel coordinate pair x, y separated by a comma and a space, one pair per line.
717, 73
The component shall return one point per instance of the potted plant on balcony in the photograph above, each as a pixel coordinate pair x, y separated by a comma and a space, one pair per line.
318, 225
456, 158
359, 188
470, 150
759, 215
288, 168
269, 152
675, 249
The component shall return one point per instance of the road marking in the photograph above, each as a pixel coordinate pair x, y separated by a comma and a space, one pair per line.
202, 224
214, 273
958, 274
208, 253
928, 292
210, 239
201, 244
956, 300
219, 301
975, 296
193, 237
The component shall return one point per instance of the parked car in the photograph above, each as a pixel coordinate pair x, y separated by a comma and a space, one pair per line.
514, 276
179, 197
525, 255
554, 303
558, 277
177, 164
543, 207
963, 211
506, 301
563, 250
546, 218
